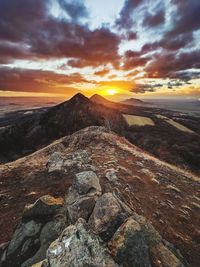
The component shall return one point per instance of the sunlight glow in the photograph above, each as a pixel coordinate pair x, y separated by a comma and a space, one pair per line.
111, 91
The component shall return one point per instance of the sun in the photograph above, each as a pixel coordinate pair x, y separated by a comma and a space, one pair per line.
112, 91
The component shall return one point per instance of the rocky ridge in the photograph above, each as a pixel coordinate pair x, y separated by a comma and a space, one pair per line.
91, 227
104, 216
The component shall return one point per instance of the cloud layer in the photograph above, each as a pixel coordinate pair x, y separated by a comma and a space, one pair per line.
159, 39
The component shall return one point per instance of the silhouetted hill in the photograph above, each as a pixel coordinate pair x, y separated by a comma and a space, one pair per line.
133, 101
103, 101
63, 119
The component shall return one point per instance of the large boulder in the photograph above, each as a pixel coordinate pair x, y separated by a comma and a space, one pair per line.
81, 197
78, 247
42, 223
128, 246
87, 182
107, 216
137, 244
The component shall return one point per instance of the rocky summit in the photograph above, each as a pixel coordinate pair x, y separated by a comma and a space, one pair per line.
93, 199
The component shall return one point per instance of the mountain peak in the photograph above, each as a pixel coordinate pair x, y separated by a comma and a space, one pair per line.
79, 96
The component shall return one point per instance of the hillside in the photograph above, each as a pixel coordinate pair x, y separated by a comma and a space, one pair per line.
165, 195
35, 132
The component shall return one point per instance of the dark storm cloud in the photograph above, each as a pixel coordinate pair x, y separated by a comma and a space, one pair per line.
75, 9
126, 19
154, 20
186, 18
29, 24
168, 65
143, 88
133, 59
14, 79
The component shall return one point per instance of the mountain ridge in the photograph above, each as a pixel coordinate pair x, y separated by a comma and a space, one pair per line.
122, 169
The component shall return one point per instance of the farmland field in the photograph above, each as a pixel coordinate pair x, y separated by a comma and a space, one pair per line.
175, 124
138, 120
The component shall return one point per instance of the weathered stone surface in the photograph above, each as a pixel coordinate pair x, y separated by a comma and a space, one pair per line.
161, 256
44, 206
50, 231
55, 162
23, 231
128, 246
82, 195
107, 216
38, 228
87, 182
82, 208
77, 161
112, 176
77, 247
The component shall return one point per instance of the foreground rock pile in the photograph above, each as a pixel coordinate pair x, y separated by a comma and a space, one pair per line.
90, 227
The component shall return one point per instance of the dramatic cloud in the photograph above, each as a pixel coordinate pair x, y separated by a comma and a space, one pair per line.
38, 81
143, 88
147, 39
154, 20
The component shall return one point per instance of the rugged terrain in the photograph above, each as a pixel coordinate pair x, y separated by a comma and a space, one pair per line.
171, 136
108, 182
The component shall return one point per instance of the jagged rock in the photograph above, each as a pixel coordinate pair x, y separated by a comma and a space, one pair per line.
82, 208
50, 231
112, 176
161, 256
128, 246
77, 161
77, 247
82, 195
38, 228
55, 162
107, 216
87, 183
44, 206
23, 231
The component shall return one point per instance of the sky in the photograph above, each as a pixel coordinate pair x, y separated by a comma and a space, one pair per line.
117, 48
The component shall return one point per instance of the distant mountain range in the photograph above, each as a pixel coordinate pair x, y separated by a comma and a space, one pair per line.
133, 101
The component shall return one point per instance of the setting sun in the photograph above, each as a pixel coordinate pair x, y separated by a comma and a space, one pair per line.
112, 91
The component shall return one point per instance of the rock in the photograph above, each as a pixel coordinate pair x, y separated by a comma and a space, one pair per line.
77, 247
44, 206
50, 231
40, 226
77, 161
82, 195
107, 216
112, 176
87, 182
23, 231
161, 256
128, 245
41, 264
55, 162
82, 208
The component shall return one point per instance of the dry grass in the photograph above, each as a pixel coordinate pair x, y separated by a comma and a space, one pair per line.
175, 124
138, 120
